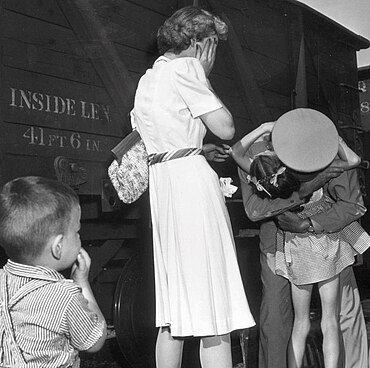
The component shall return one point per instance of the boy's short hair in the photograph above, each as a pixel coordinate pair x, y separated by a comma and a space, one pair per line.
32, 210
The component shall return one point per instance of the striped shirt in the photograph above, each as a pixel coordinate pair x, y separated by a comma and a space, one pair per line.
45, 319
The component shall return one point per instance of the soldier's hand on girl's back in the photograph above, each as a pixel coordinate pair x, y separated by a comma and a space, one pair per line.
290, 221
81, 268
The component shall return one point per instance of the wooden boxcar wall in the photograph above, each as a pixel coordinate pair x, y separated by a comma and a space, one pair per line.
364, 87
57, 101
52, 101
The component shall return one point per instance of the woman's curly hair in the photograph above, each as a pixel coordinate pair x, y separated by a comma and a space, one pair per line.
189, 23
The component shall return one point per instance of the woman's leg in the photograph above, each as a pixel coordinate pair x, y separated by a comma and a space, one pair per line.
168, 350
329, 295
215, 352
301, 296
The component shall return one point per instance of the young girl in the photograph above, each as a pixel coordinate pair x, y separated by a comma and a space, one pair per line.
305, 258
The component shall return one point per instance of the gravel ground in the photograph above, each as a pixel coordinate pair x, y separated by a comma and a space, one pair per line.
109, 356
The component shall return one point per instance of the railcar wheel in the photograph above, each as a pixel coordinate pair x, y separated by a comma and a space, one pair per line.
134, 312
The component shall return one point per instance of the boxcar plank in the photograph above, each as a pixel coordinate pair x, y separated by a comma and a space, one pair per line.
130, 24
263, 33
270, 73
46, 10
29, 57
163, 7
15, 26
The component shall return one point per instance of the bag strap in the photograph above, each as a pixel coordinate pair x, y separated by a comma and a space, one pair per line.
122, 147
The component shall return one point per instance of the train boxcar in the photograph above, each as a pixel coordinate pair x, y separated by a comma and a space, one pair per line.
364, 88
68, 72
364, 130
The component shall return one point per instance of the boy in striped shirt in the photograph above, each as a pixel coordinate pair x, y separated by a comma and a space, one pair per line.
45, 318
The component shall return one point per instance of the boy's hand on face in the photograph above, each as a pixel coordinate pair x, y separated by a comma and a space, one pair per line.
81, 268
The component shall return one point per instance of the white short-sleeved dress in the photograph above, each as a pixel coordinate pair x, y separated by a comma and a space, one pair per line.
198, 286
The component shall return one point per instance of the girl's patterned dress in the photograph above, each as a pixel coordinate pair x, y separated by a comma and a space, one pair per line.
306, 258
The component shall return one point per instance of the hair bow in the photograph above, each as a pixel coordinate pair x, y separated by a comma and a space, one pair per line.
274, 177
258, 185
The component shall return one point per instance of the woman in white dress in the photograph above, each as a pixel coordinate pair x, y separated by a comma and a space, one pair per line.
198, 287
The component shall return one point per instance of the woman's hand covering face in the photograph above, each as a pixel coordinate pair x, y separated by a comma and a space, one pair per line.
207, 53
